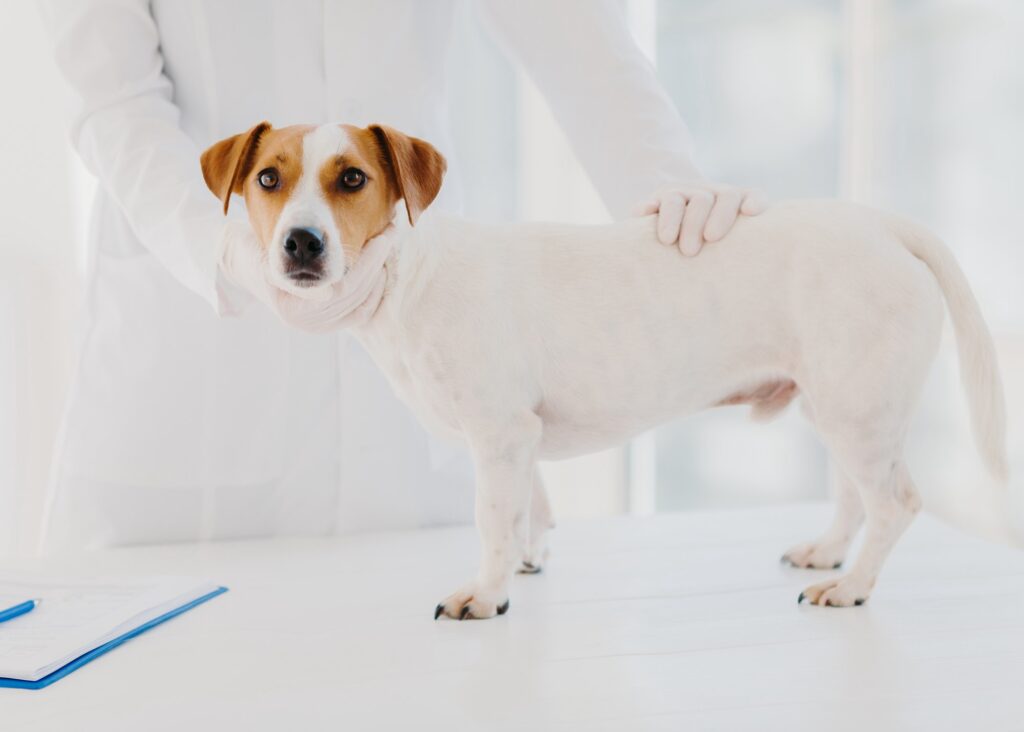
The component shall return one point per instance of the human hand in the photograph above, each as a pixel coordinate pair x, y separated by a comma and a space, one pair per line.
690, 214
243, 263
316, 310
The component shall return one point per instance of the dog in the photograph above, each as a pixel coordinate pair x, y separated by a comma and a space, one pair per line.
546, 341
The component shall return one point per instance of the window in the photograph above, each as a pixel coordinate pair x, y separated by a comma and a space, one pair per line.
909, 105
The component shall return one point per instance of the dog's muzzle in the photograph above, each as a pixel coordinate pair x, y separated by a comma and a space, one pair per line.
303, 255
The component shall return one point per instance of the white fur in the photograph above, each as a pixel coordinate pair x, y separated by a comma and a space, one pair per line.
308, 208
548, 341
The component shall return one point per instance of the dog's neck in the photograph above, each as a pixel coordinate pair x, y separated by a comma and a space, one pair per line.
402, 245
402, 256
357, 299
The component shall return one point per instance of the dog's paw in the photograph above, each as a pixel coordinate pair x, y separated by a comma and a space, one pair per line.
536, 554
839, 592
534, 559
473, 603
816, 555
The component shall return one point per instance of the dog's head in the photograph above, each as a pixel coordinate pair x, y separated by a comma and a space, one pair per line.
316, 195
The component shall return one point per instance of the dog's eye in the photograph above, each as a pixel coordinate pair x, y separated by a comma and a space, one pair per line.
268, 179
353, 179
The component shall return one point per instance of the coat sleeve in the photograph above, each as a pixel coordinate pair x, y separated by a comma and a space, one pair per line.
127, 133
603, 91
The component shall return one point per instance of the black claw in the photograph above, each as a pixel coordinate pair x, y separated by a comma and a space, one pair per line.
838, 564
801, 598
503, 608
464, 613
437, 611
859, 601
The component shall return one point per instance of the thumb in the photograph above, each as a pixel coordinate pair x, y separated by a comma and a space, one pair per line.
646, 208
242, 262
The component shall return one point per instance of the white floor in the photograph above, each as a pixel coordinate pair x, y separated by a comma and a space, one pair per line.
677, 622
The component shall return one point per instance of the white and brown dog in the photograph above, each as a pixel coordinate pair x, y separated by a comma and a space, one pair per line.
540, 341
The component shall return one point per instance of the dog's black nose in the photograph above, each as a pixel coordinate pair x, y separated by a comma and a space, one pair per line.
304, 245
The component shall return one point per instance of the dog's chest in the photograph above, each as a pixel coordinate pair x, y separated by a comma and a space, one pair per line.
420, 380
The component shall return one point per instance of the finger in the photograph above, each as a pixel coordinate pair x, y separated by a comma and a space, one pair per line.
646, 208
723, 214
295, 311
754, 202
670, 217
691, 237
287, 306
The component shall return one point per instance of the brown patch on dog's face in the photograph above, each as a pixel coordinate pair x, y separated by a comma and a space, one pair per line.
279, 154
341, 182
361, 210
226, 163
417, 169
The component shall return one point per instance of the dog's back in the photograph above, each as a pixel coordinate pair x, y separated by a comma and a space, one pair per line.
620, 332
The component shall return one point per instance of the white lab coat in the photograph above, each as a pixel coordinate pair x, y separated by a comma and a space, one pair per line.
183, 425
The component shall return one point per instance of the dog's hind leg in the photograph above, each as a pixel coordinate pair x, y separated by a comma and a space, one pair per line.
828, 551
541, 522
890, 503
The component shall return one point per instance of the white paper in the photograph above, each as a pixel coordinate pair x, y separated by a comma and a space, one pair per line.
76, 616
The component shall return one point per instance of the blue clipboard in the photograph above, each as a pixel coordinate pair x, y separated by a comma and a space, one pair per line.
111, 644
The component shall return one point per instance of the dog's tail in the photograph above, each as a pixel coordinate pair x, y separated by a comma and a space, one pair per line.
979, 369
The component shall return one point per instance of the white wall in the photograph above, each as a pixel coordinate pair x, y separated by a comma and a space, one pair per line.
706, 53
39, 282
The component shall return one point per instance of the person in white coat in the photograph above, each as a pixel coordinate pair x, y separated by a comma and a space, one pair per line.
183, 425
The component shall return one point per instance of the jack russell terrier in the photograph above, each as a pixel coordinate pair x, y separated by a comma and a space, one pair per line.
545, 341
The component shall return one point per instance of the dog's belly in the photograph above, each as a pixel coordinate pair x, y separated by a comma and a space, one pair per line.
564, 437
579, 420
569, 432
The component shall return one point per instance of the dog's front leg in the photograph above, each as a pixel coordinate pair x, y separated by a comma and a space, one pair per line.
505, 459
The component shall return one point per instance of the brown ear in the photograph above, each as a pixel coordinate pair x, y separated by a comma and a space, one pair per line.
226, 163
418, 168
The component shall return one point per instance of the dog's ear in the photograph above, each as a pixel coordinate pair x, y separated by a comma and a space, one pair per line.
226, 163
415, 165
